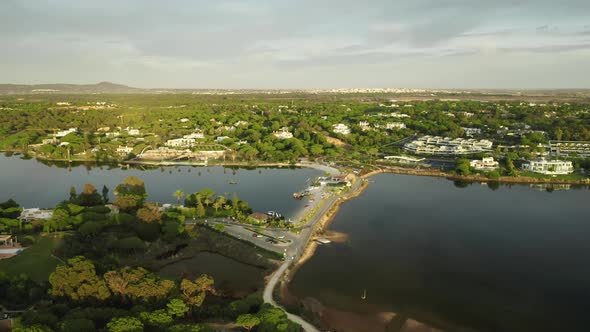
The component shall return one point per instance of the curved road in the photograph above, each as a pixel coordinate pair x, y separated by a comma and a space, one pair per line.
267, 296
297, 251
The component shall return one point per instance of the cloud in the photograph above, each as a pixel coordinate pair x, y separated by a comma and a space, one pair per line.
145, 41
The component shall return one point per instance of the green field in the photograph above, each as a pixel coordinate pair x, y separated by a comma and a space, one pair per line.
35, 261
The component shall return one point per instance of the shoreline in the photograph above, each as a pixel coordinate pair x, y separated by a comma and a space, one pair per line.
475, 178
325, 168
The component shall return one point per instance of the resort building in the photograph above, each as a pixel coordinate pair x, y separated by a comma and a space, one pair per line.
124, 150
568, 148
284, 133
341, 128
485, 164
436, 145
35, 214
549, 167
181, 142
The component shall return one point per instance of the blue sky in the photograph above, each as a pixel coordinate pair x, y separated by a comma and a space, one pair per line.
298, 43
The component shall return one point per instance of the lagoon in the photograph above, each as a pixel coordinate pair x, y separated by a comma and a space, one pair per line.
458, 257
44, 184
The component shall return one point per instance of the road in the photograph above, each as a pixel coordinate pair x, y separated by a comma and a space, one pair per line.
267, 296
295, 251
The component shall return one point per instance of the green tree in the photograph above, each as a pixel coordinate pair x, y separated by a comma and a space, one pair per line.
105, 194
200, 209
194, 292
77, 325
463, 167
78, 281
247, 321
177, 308
73, 194
125, 324
159, 318
179, 194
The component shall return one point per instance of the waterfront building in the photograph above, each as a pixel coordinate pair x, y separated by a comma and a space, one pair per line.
341, 128
436, 145
549, 167
485, 164
124, 150
181, 142
404, 159
569, 148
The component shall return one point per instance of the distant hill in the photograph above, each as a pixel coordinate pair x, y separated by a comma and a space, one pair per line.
103, 87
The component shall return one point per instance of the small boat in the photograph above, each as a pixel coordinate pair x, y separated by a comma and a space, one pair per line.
364, 296
233, 182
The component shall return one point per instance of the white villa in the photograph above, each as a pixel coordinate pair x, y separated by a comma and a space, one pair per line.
195, 135
124, 150
132, 131
399, 115
471, 131
35, 214
63, 133
181, 142
284, 133
395, 125
485, 164
220, 139
436, 145
341, 128
549, 167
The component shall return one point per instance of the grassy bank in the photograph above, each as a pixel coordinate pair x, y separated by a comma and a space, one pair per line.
37, 261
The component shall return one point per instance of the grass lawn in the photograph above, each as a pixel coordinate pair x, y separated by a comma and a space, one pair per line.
36, 261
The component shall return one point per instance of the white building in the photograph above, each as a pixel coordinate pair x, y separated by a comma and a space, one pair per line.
35, 214
220, 139
485, 164
566, 148
113, 134
437, 145
184, 120
364, 125
284, 133
195, 135
124, 150
471, 131
399, 115
341, 128
395, 125
550, 167
181, 142
132, 131
63, 133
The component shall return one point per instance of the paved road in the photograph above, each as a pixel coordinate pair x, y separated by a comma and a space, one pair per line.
267, 296
295, 251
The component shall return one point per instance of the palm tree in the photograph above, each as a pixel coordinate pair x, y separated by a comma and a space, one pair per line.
179, 194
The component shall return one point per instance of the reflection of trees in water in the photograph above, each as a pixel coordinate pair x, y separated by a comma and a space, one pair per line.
494, 185
461, 183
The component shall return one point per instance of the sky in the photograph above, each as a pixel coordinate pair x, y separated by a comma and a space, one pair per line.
283, 44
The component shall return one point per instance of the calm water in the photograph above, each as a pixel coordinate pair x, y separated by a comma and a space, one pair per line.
34, 184
511, 259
